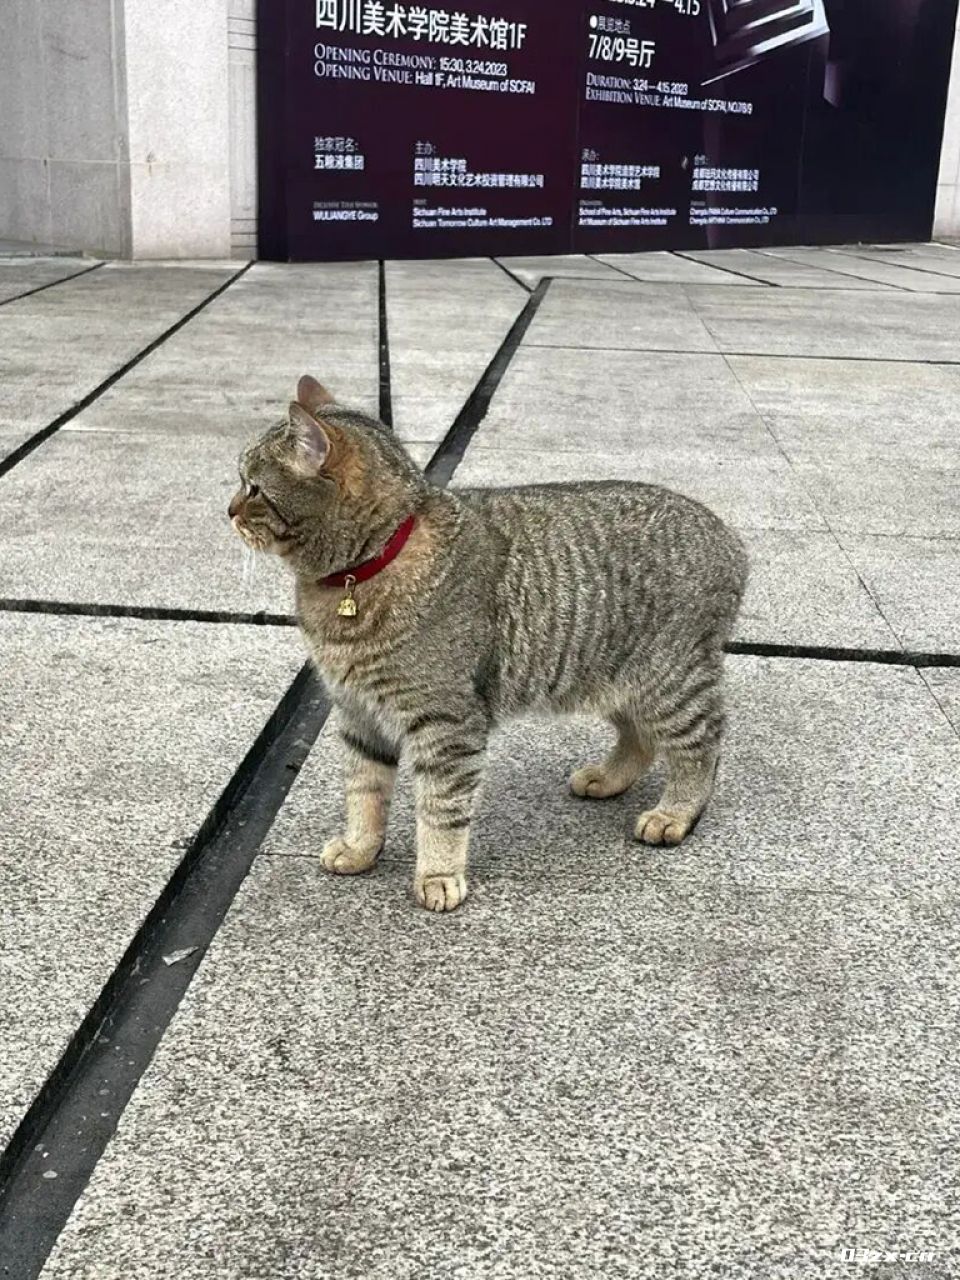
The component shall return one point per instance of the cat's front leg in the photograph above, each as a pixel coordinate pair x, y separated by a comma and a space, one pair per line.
370, 773
447, 755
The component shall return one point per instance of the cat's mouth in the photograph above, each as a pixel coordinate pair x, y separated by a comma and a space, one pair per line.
250, 537
258, 540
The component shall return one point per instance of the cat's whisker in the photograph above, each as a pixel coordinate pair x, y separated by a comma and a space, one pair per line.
248, 565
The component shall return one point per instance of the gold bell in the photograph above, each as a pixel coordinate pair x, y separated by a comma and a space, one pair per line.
347, 608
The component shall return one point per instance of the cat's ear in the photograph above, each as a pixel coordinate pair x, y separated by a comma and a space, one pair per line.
312, 395
311, 444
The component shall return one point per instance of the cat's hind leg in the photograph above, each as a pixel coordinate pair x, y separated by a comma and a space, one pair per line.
690, 744
631, 756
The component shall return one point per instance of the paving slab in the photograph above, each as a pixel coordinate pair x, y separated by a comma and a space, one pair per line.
579, 314
232, 371
870, 409
765, 268
58, 345
158, 451
588, 1076
941, 259
803, 322
643, 403
99, 805
909, 496
871, 445
806, 588
915, 583
20, 275
124, 519
532, 269
850, 266
756, 320
445, 322
875, 445
669, 268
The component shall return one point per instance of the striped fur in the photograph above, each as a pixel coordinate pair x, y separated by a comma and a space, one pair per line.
611, 598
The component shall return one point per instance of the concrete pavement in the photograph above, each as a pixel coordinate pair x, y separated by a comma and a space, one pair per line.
734, 1058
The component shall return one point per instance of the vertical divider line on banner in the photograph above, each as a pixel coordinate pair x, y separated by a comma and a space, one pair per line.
271, 97
386, 391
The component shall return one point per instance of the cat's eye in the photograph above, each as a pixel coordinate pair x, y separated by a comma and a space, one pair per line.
252, 490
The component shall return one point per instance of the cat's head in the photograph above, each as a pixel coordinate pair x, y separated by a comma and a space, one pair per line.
325, 487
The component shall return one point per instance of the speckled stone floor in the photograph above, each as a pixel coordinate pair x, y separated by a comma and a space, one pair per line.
735, 1058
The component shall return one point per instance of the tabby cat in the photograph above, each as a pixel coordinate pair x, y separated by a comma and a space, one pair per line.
432, 615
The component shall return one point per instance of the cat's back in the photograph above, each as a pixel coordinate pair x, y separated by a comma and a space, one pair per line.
590, 582
627, 550
524, 504
617, 521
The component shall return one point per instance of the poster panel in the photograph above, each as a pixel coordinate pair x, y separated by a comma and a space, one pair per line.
498, 127
406, 130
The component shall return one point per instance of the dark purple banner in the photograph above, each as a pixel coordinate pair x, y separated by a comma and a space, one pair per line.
405, 130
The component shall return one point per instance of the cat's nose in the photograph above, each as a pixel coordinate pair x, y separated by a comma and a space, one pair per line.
236, 502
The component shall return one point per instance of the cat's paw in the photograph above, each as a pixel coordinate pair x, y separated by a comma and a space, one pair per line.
661, 826
350, 859
440, 893
599, 781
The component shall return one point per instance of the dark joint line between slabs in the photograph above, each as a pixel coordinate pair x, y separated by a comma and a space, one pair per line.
712, 266
744, 355
439, 470
52, 284
833, 271
620, 271
386, 392
873, 286
849, 252
752, 648
527, 288
146, 613
830, 653
139, 1000
37, 439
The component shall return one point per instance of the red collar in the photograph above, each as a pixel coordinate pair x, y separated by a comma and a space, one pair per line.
369, 568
